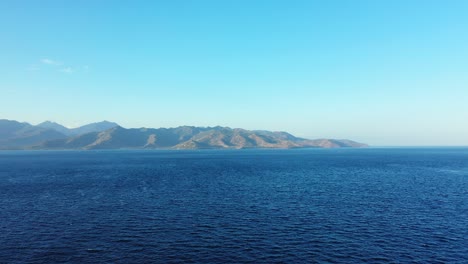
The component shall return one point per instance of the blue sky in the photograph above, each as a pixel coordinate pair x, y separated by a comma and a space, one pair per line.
380, 72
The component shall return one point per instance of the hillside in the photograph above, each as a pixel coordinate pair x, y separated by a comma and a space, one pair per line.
16, 135
190, 138
109, 135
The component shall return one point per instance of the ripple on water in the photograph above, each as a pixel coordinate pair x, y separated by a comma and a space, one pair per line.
371, 205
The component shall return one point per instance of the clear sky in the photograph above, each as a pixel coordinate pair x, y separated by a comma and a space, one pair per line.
381, 72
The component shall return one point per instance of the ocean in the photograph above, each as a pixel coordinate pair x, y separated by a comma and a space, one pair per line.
374, 205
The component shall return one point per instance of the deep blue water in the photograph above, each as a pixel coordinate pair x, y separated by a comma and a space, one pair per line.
290, 206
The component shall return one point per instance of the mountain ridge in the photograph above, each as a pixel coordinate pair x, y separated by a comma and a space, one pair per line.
92, 127
109, 135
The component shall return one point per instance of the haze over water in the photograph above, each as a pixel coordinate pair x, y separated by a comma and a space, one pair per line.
262, 206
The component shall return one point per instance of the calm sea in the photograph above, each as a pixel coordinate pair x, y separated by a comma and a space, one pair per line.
258, 206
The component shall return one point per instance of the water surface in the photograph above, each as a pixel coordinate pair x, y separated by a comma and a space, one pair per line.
302, 206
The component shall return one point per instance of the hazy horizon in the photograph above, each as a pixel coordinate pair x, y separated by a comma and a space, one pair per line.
387, 73
253, 129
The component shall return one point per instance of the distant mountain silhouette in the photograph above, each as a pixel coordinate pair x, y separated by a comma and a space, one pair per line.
93, 127
55, 126
108, 135
14, 135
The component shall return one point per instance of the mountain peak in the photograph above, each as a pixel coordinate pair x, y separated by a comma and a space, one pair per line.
54, 126
106, 122
93, 127
49, 123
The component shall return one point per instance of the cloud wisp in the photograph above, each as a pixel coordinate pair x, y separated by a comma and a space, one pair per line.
51, 62
67, 70
62, 67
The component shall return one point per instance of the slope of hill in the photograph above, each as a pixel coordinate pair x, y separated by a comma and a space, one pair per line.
186, 137
109, 135
14, 135
55, 126
93, 127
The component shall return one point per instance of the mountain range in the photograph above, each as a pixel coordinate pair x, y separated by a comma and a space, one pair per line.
109, 135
